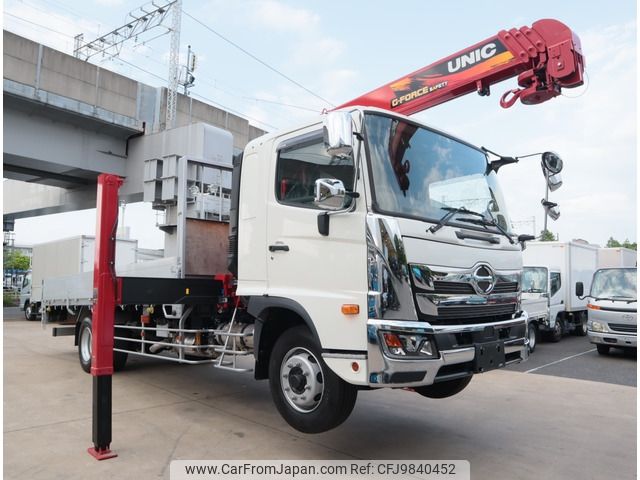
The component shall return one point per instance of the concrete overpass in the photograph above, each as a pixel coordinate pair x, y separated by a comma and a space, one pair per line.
66, 121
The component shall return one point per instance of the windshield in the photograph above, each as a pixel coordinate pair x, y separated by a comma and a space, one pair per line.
615, 283
534, 280
417, 172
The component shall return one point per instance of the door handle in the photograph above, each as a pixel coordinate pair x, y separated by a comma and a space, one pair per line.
279, 247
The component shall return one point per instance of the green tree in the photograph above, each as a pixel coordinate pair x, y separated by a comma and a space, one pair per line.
13, 259
547, 236
613, 243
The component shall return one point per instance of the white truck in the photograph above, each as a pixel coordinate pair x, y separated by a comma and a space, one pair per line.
365, 249
617, 257
613, 309
550, 273
62, 274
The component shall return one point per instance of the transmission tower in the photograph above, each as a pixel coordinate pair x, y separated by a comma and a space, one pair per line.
139, 21
174, 60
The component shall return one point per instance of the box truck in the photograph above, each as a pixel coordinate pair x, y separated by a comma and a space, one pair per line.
617, 257
550, 273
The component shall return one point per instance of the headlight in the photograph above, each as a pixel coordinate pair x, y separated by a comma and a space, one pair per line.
409, 345
597, 326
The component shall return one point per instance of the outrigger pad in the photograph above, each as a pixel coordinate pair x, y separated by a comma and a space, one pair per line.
150, 291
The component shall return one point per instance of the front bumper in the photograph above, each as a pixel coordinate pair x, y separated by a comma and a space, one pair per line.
453, 359
613, 339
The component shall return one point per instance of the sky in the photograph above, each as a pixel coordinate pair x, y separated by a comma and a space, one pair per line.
340, 50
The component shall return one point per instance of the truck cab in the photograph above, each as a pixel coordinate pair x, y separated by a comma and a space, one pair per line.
381, 254
612, 316
543, 300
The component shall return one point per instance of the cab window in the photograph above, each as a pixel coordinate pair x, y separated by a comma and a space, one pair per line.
555, 283
301, 163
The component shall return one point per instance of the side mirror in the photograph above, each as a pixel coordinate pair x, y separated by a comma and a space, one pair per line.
551, 209
552, 163
329, 194
579, 289
338, 134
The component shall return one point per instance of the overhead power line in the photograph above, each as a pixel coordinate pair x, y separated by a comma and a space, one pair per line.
262, 62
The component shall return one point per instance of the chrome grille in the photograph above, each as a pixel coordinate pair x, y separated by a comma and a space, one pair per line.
622, 327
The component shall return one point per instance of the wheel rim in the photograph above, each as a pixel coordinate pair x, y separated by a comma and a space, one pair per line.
27, 311
557, 329
85, 344
532, 337
584, 326
301, 380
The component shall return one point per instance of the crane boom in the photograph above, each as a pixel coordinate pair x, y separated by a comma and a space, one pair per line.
546, 57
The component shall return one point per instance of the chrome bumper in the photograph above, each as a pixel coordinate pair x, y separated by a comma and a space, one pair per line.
613, 339
386, 371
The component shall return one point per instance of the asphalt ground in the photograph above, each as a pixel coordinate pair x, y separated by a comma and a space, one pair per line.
575, 357
507, 423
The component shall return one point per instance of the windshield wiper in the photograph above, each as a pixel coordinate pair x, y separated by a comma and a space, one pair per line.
488, 223
451, 211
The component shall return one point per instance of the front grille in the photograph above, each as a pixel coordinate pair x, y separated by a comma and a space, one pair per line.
461, 288
461, 315
505, 287
621, 327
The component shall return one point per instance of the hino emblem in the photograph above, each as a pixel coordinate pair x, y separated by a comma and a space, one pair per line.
483, 279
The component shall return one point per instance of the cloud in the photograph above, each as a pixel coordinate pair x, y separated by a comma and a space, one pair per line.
280, 17
110, 3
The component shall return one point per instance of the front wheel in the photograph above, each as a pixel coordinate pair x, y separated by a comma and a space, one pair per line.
556, 334
308, 395
444, 389
603, 349
532, 333
29, 313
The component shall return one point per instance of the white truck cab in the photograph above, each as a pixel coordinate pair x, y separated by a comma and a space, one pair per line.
543, 299
612, 317
373, 264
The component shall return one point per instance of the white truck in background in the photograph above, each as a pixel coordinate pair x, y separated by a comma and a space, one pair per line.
62, 274
613, 307
551, 271
617, 257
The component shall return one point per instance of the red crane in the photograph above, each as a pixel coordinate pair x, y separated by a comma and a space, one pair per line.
546, 58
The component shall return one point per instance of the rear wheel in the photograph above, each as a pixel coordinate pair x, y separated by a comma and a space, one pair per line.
603, 349
308, 395
444, 389
85, 339
532, 333
581, 328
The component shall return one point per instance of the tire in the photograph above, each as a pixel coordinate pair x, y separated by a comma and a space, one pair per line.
84, 348
84, 344
603, 349
532, 333
581, 329
296, 367
28, 312
556, 334
444, 389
